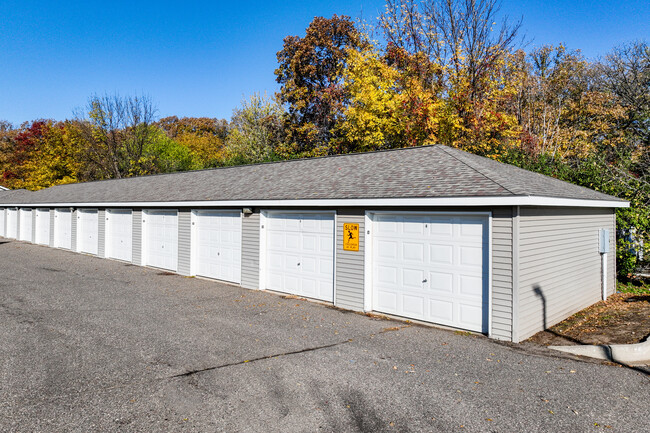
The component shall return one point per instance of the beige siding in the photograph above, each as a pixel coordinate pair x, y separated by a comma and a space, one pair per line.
250, 251
559, 264
502, 299
349, 283
101, 233
136, 242
184, 241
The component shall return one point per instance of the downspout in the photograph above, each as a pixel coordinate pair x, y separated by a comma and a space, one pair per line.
603, 249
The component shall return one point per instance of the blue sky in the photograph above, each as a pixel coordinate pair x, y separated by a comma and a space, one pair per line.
200, 58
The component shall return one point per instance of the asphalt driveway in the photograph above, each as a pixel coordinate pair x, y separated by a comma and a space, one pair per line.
88, 344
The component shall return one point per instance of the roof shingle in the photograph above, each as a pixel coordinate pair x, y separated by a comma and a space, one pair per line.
417, 172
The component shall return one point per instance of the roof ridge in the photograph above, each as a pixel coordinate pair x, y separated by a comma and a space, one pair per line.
447, 150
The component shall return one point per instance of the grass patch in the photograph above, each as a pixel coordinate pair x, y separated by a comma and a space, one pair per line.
633, 287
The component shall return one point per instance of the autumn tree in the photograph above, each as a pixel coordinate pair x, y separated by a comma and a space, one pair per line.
309, 73
54, 161
19, 148
117, 131
473, 67
203, 136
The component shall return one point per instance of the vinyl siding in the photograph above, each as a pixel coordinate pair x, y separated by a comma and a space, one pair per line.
349, 267
17, 223
502, 299
101, 233
73, 230
250, 251
33, 226
52, 215
184, 241
136, 242
559, 264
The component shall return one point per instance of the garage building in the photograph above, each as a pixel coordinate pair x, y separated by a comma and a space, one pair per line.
426, 233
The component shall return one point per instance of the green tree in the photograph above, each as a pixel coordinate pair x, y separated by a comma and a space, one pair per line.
255, 130
116, 131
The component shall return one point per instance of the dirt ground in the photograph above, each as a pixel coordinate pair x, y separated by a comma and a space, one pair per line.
623, 319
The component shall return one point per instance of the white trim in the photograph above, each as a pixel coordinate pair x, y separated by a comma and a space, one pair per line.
367, 281
514, 334
193, 246
528, 200
262, 252
334, 258
367, 262
489, 324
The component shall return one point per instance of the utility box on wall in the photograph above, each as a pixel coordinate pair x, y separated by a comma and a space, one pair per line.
603, 242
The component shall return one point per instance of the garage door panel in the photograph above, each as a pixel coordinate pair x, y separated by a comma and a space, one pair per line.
443, 229
435, 266
326, 267
386, 301
471, 256
413, 252
441, 254
387, 249
442, 311
470, 286
299, 254
441, 282
310, 243
413, 305
413, 278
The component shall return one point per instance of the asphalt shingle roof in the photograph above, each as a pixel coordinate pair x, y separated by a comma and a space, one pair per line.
417, 172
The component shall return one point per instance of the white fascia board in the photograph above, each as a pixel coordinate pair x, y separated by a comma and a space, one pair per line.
370, 202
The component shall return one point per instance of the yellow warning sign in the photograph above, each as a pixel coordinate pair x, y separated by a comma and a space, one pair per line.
351, 237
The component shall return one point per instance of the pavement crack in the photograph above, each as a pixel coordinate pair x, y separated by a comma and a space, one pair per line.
261, 358
277, 355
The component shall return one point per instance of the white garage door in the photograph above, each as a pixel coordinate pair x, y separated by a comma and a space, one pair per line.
42, 235
161, 239
218, 245
119, 234
432, 268
2, 222
63, 228
25, 225
87, 231
300, 254
12, 223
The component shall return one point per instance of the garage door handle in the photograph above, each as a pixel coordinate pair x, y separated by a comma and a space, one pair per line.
298, 264
424, 281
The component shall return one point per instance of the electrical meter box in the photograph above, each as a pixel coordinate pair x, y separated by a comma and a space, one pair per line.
603, 244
